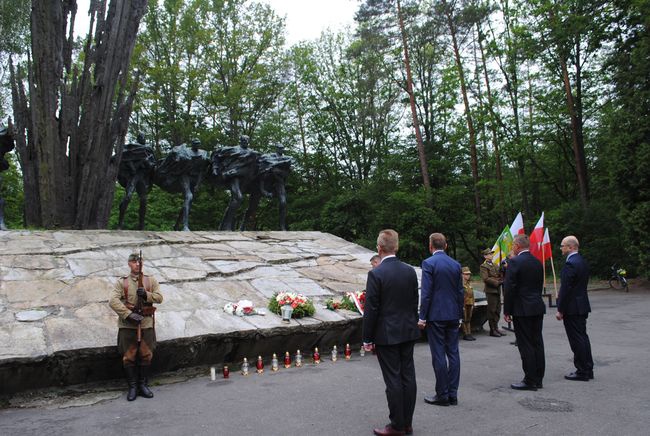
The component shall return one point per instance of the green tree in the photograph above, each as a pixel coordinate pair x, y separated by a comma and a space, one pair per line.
626, 132
14, 39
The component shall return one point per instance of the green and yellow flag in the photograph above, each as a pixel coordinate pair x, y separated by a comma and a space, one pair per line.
502, 246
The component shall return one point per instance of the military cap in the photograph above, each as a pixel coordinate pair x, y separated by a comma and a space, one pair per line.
466, 270
487, 251
134, 256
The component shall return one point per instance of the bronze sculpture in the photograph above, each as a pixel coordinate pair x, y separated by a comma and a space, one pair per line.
136, 173
236, 168
273, 170
182, 171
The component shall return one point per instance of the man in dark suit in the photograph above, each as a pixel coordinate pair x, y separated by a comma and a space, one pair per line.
441, 311
524, 283
573, 308
390, 325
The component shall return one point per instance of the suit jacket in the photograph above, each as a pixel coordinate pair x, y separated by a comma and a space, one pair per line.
391, 311
442, 289
573, 299
523, 286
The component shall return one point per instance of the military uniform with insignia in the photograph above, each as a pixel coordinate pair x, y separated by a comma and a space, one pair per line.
134, 307
468, 305
491, 276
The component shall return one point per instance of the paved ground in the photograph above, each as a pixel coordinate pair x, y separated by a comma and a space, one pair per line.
348, 397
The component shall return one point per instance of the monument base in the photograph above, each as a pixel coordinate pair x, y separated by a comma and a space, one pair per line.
56, 328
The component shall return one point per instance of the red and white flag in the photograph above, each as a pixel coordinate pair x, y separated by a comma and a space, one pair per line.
546, 245
537, 240
517, 226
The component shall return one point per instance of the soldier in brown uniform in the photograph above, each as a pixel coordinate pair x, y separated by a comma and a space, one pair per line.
134, 306
493, 279
468, 305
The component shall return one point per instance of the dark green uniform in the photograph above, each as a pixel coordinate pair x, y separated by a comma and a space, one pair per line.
492, 278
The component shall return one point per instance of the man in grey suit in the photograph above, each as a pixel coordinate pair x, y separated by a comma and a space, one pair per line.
390, 325
441, 311
573, 309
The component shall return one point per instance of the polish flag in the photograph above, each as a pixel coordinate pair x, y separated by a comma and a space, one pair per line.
546, 245
537, 239
517, 227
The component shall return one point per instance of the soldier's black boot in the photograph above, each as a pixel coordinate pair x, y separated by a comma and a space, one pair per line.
143, 383
132, 380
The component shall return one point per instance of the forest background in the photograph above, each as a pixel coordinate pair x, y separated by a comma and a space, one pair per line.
505, 106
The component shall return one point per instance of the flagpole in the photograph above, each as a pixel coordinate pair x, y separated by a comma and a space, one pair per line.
554, 279
543, 262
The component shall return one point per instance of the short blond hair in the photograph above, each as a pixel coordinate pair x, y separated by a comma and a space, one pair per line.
388, 240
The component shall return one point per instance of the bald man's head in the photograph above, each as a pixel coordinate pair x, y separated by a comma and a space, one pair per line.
569, 245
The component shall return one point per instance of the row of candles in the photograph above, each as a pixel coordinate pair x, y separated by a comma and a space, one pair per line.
298, 361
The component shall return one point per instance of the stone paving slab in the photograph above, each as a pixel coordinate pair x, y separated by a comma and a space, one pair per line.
69, 275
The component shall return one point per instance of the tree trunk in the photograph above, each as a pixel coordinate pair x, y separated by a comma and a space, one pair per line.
416, 125
576, 133
468, 117
493, 128
75, 120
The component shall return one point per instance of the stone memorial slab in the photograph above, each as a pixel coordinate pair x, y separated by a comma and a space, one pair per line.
86, 290
223, 291
233, 267
22, 340
269, 321
268, 287
206, 322
68, 333
326, 315
224, 236
29, 293
69, 276
171, 324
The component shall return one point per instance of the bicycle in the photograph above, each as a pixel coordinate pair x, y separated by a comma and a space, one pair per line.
618, 280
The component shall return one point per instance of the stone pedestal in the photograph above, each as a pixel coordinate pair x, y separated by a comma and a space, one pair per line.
56, 327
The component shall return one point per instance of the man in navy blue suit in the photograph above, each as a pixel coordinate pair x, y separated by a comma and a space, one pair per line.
573, 308
390, 325
441, 311
523, 304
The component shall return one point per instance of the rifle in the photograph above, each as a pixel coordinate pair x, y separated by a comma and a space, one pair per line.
138, 304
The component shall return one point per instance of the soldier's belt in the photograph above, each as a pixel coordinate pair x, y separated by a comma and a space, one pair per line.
146, 310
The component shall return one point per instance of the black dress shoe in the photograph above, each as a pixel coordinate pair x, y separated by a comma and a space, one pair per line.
469, 338
495, 334
453, 401
539, 385
523, 386
437, 401
590, 374
574, 376
408, 429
